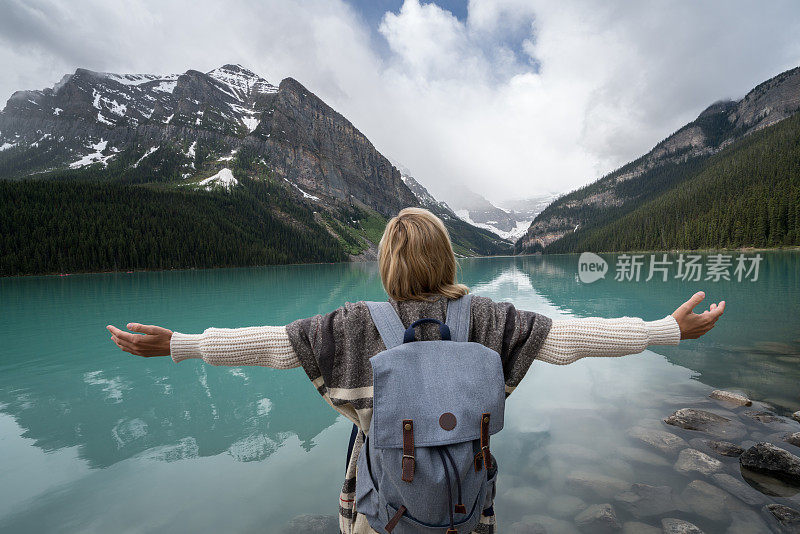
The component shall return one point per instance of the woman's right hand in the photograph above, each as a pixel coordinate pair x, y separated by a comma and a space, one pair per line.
154, 342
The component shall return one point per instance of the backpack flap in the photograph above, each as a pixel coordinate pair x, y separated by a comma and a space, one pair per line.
443, 386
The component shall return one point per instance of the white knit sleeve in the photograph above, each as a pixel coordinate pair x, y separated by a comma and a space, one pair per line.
572, 339
267, 346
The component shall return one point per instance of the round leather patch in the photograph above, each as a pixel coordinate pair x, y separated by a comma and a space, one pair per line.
447, 421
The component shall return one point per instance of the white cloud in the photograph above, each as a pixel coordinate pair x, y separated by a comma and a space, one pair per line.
520, 98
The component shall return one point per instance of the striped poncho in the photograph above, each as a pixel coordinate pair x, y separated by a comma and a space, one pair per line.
334, 350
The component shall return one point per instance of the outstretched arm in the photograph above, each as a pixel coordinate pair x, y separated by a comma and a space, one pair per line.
267, 346
572, 339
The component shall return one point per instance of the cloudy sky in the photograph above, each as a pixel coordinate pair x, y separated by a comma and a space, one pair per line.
510, 98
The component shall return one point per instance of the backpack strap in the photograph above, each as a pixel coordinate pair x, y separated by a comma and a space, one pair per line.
389, 325
458, 317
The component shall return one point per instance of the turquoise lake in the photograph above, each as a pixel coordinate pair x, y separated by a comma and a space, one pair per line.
96, 440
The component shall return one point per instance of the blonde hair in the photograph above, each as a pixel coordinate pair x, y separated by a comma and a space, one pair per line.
416, 259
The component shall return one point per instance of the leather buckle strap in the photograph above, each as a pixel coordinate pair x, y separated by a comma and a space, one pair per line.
479, 461
408, 450
395, 519
487, 458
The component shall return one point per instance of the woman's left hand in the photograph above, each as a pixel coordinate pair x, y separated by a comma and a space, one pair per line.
694, 325
154, 342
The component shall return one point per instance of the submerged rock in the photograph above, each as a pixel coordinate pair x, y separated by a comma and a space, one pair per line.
549, 525
663, 441
793, 438
746, 522
708, 422
313, 524
709, 501
692, 460
600, 518
738, 489
634, 527
731, 397
643, 500
524, 528
774, 461
601, 486
565, 506
524, 497
768, 485
670, 525
787, 518
636, 455
722, 448
771, 420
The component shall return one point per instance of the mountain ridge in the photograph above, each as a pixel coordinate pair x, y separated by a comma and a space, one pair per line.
279, 150
715, 128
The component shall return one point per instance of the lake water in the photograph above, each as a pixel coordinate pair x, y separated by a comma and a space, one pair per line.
96, 440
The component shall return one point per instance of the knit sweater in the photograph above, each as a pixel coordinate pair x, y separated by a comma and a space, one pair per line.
334, 351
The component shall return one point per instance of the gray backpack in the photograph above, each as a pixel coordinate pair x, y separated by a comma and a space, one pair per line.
425, 466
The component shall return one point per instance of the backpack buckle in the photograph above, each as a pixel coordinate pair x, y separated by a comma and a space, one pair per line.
408, 461
487, 458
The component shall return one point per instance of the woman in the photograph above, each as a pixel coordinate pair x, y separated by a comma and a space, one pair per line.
418, 271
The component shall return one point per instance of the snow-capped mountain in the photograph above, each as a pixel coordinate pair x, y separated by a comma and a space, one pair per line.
96, 118
225, 130
509, 222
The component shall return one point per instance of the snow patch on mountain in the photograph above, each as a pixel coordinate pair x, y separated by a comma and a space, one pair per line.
96, 156
138, 79
305, 195
224, 178
149, 151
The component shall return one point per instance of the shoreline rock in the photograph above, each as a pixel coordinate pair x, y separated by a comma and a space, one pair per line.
598, 518
673, 525
660, 440
691, 460
778, 463
731, 397
708, 422
787, 518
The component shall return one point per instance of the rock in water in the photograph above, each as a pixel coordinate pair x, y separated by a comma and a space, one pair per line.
599, 518
767, 458
768, 485
634, 527
796, 415
524, 528
787, 518
547, 524
643, 500
731, 397
723, 448
770, 419
670, 525
639, 456
708, 422
746, 522
658, 439
738, 489
793, 438
602, 486
313, 524
709, 501
691, 460
565, 505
